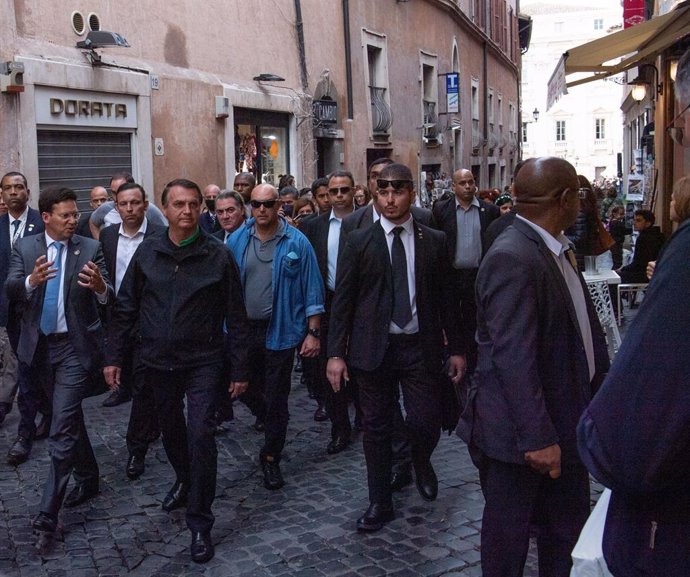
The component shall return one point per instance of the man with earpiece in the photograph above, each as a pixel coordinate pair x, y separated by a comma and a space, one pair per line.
464, 218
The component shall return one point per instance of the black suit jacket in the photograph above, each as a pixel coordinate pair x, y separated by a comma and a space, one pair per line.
364, 217
208, 224
316, 230
363, 302
532, 380
81, 308
444, 212
34, 225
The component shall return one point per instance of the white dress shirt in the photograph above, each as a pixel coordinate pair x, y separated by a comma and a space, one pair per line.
126, 247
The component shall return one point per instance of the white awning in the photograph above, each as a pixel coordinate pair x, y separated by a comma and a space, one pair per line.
618, 52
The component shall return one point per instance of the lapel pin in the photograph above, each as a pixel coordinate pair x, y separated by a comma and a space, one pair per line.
31, 227
76, 252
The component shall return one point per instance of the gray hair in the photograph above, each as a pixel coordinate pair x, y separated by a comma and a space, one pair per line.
236, 196
682, 84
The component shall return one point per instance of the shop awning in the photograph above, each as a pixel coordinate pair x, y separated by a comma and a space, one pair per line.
632, 45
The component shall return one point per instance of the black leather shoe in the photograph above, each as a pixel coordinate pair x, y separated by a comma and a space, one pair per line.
375, 517
259, 425
45, 523
81, 493
176, 497
338, 444
427, 483
401, 478
320, 414
117, 398
135, 467
43, 428
202, 547
273, 478
19, 452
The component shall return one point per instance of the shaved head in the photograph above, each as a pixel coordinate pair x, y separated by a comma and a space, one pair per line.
541, 181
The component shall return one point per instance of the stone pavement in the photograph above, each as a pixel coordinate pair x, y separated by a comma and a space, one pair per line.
304, 530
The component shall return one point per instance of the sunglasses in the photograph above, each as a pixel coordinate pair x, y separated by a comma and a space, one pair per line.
268, 204
340, 190
382, 183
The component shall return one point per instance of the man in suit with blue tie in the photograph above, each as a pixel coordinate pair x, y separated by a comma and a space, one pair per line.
20, 221
60, 279
390, 310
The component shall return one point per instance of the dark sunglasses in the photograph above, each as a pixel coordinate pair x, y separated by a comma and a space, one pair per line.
396, 184
269, 204
340, 190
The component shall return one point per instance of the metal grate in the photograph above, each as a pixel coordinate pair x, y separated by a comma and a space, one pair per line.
78, 23
81, 160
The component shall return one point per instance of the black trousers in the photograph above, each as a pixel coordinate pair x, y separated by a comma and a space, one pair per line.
464, 281
518, 498
190, 445
143, 419
69, 446
403, 365
271, 372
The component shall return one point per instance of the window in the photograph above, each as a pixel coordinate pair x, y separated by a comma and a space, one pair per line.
376, 58
598, 23
558, 27
429, 95
600, 128
524, 132
560, 130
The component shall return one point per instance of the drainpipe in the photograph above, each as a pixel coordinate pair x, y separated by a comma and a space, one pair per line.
485, 71
348, 58
299, 25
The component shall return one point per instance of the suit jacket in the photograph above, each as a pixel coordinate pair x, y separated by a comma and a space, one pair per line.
364, 217
532, 380
81, 305
363, 302
316, 230
109, 239
208, 224
34, 225
634, 436
444, 212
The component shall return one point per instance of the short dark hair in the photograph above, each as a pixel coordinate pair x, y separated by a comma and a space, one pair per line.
52, 195
183, 183
233, 194
384, 160
15, 173
343, 174
131, 186
126, 176
648, 215
398, 172
318, 183
288, 190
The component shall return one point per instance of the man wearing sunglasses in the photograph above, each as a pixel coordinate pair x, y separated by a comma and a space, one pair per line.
391, 307
324, 234
284, 300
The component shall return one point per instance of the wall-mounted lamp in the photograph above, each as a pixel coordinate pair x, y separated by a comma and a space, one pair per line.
673, 69
639, 90
535, 114
100, 39
268, 77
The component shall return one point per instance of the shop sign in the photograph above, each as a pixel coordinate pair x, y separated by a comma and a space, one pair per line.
63, 107
325, 111
633, 12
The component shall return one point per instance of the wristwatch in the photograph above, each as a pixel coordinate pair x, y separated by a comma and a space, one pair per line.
316, 333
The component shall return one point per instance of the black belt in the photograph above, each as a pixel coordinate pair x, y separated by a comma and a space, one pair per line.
57, 337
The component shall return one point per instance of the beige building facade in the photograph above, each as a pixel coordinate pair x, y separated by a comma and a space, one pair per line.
208, 89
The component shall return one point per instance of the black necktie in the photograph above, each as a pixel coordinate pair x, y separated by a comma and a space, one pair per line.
15, 233
402, 311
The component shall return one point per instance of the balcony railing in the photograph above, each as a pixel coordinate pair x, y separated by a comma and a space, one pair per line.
430, 120
381, 115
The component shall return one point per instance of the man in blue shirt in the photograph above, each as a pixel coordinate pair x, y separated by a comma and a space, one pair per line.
284, 296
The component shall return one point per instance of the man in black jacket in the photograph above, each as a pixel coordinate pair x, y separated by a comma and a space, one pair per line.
183, 288
647, 247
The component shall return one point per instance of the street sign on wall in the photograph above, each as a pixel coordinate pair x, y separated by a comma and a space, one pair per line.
453, 92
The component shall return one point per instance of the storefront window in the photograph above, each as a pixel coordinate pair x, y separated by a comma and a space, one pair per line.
261, 144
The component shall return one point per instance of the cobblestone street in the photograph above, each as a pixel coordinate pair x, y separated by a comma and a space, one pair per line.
307, 529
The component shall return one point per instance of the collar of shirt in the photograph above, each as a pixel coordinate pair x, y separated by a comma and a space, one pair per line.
22, 217
475, 202
556, 244
388, 226
280, 231
334, 217
142, 229
50, 241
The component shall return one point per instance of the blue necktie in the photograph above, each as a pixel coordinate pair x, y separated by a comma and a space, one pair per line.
15, 233
50, 300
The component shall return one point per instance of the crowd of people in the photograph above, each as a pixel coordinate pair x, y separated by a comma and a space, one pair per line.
467, 315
